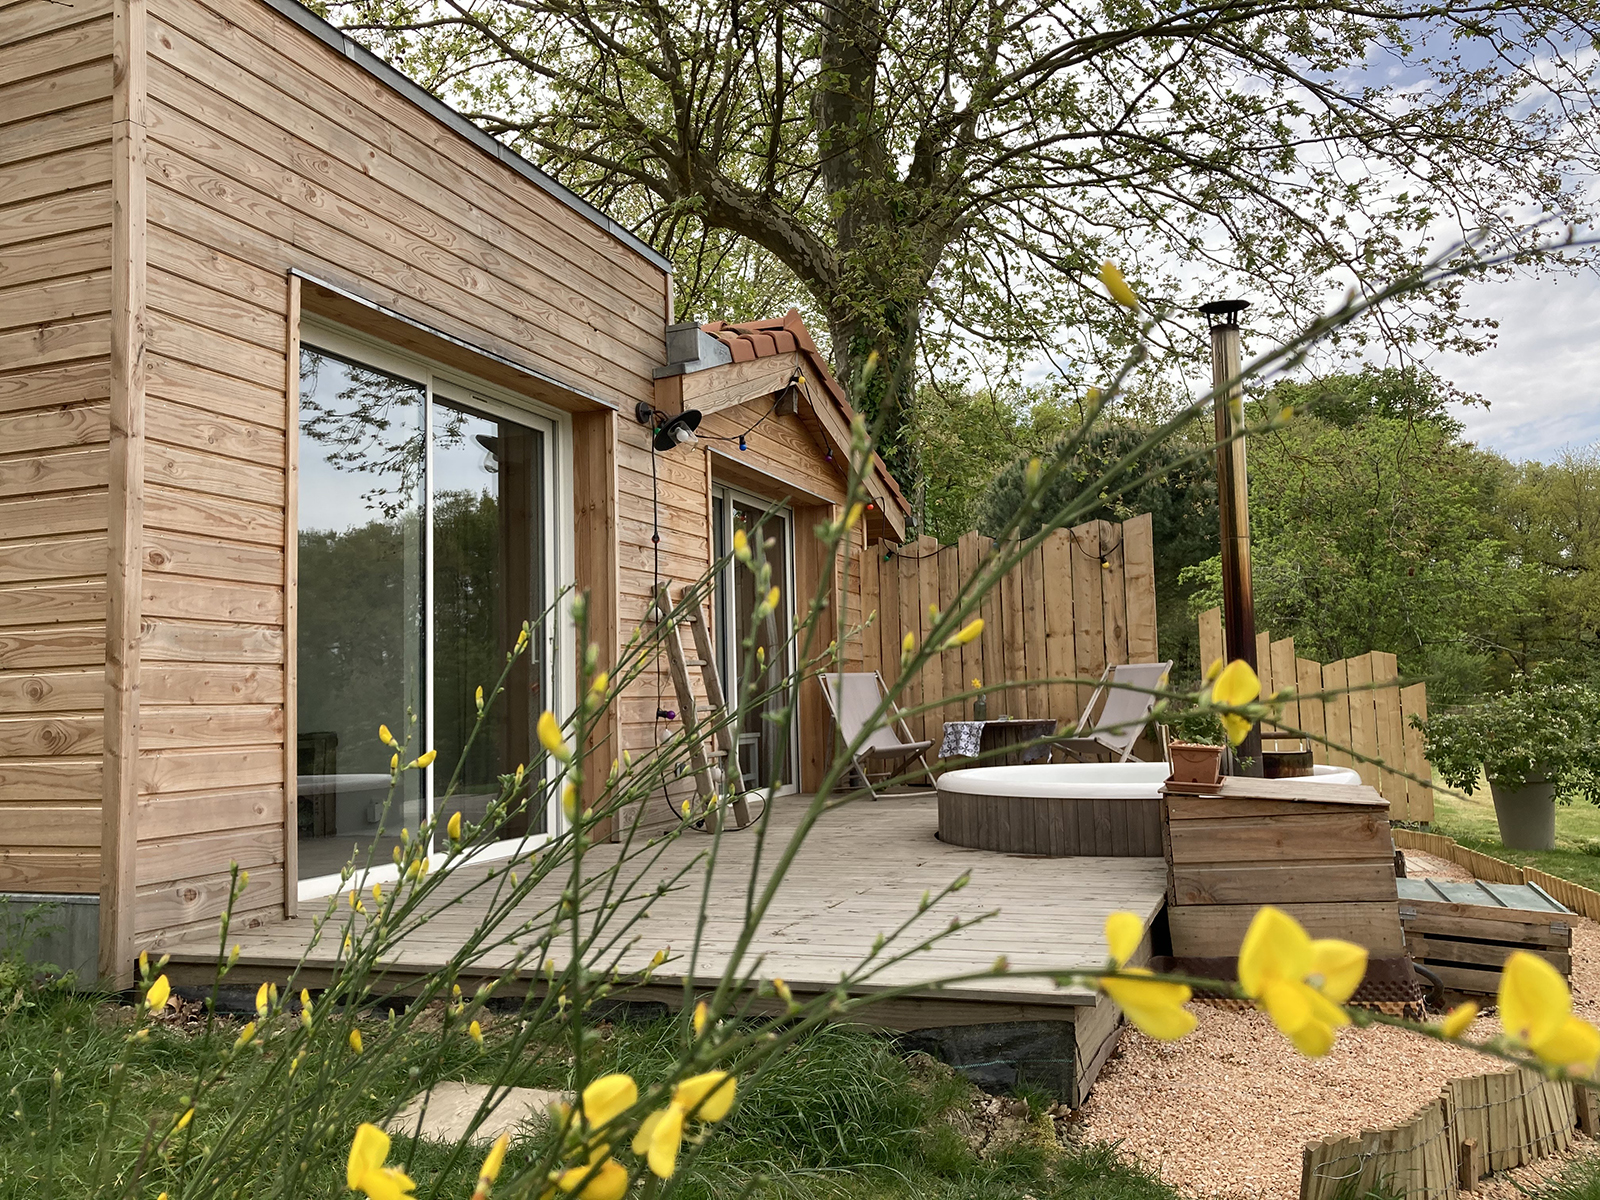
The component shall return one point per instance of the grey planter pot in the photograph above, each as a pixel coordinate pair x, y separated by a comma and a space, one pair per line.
1527, 815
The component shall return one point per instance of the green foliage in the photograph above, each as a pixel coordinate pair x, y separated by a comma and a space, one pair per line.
845, 1115
1548, 516
965, 439
1371, 529
1177, 489
1196, 725
1536, 731
954, 176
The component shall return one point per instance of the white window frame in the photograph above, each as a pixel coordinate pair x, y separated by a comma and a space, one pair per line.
460, 388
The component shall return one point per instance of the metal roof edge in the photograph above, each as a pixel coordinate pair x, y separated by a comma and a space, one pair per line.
438, 109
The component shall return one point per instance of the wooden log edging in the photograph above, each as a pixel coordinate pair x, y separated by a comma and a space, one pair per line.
1476, 1126
1581, 900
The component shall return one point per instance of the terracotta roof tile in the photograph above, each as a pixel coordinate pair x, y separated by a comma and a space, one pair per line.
750, 340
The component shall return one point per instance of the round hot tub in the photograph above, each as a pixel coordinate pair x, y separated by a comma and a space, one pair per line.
1063, 809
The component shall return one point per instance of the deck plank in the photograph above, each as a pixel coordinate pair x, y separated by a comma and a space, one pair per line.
861, 872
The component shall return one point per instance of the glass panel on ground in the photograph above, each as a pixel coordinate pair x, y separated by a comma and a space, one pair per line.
360, 634
488, 559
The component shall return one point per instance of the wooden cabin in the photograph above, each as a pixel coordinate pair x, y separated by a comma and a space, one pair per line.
310, 393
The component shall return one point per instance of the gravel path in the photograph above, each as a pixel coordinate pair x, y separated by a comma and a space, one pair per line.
1227, 1111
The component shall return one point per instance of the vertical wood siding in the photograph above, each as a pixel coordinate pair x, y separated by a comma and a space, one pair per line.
55, 389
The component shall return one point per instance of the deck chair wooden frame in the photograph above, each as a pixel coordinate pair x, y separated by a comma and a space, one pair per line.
1117, 712
852, 706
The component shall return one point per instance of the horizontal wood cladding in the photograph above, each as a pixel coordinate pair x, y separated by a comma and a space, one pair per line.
207, 812
43, 691
49, 870
59, 299
165, 682
52, 134
79, 383
33, 68
52, 646
23, 562
58, 428
30, 737
55, 383
47, 216
168, 909
302, 72
69, 469
25, 21
252, 847
52, 826
199, 386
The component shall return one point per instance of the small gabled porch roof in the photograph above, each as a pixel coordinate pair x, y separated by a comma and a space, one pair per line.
718, 365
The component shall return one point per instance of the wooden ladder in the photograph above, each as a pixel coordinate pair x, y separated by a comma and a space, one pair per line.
678, 664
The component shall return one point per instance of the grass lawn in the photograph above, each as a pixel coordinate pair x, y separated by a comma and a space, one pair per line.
1470, 820
844, 1116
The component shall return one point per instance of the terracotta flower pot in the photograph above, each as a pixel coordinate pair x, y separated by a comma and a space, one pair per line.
1193, 762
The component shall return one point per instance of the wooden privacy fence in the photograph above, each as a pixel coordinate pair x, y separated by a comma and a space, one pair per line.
1083, 599
1476, 1126
1373, 722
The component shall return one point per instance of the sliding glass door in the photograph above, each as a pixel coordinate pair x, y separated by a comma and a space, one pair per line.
424, 544
757, 651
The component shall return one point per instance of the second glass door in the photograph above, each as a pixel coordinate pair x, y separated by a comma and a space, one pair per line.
761, 651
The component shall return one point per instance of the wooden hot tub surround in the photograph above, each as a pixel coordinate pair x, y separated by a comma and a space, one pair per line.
1056, 826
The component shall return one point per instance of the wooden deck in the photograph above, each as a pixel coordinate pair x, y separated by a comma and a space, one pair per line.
861, 872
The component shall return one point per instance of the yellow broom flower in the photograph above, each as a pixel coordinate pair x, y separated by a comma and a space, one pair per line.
1298, 982
452, 827
490, 1171
475, 1032
158, 994
1536, 1012
607, 1098
550, 737
1457, 1020
385, 736
366, 1172
965, 634
355, 1040
607, 1182
1154, 1006
1118, 286
1236, 686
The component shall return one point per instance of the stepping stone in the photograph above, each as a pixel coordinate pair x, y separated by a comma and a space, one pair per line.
451, 1107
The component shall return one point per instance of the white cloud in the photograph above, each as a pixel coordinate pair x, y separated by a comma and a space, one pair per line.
1540, 377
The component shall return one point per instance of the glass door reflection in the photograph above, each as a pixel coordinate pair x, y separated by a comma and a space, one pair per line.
360, 634
488, 578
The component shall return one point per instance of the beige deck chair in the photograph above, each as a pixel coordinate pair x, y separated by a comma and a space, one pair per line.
1116, 715
854, 696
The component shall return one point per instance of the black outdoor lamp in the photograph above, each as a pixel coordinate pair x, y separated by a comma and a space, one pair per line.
670, 432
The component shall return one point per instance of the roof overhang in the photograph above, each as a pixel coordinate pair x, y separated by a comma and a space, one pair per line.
716, 368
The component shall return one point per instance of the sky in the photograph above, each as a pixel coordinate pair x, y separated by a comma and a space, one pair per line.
1540, 377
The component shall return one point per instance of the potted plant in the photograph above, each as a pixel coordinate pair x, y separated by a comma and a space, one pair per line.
1195, 751
1534, 741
